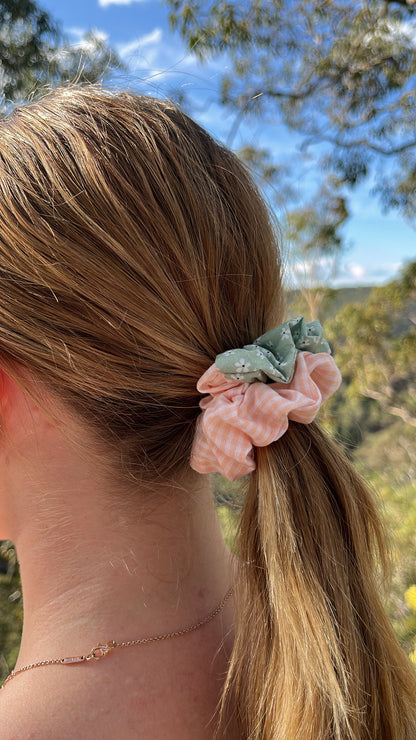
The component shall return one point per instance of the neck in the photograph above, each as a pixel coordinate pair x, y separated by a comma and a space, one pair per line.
94, 576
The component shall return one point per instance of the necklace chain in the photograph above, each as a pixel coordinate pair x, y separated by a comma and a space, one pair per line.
101, 650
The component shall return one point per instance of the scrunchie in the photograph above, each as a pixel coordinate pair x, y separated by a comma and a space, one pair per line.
239, 414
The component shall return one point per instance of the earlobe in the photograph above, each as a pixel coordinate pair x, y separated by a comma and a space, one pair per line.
3, 401
4, 507
8, 396
5, 405
18, 423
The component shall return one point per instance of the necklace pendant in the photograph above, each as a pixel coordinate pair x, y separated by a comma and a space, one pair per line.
99, 652
75, 659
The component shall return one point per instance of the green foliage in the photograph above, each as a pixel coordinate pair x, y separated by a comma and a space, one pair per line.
34, 53
374, 417
11, 609
387, 459
228, 521
316, 226
313, 230
410, 599
375, 346
342, 76
311, 300
339, 73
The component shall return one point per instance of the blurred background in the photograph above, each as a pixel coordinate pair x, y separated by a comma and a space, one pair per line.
319, 99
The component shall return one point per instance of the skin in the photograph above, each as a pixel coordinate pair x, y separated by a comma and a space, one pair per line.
95, 569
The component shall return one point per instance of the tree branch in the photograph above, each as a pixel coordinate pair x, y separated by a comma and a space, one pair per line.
317, 138
294, 94
409, 4
394, 410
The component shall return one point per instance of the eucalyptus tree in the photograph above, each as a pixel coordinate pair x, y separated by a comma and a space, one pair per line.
35, 53
341, 75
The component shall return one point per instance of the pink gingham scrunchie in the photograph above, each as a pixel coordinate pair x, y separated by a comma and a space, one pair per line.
239, 414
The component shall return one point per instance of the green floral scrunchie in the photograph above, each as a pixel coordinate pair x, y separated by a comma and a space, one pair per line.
272, 356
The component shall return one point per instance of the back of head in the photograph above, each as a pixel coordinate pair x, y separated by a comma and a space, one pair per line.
133, 250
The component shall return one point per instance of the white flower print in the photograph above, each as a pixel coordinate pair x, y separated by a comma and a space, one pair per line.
242, 366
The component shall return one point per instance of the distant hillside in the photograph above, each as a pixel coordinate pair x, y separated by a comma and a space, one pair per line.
337, 299
342, 296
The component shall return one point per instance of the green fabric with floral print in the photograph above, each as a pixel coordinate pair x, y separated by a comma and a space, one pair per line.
272, 356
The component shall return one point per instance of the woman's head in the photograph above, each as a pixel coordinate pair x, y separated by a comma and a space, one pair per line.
133, 249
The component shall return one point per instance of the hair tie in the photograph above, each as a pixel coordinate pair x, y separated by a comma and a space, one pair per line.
285, 374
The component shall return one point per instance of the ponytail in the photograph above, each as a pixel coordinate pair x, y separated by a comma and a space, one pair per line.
315, 656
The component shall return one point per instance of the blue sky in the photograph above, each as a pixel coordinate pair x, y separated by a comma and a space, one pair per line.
158, 62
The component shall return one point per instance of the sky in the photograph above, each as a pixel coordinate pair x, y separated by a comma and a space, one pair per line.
158, 63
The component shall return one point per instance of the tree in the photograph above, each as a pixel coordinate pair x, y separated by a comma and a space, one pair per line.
375, 346
313, 232
34, 53
374, 415
341, 73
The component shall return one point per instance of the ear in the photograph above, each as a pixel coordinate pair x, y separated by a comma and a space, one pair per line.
15, 406
7, 397
25, 403
24, 431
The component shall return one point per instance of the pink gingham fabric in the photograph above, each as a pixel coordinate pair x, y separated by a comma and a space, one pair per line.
238, 415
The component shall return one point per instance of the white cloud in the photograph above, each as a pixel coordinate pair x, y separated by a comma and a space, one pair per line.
159, 64
77, 32
348, 274
78, 35
357, 271
353, 273
309, 266
310, 273
160, 61
83, 40
126, 50
106, 3
100, 35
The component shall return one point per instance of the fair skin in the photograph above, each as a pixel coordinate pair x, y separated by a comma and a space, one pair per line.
94, 570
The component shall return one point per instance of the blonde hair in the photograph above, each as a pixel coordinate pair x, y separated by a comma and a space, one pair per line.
133, 249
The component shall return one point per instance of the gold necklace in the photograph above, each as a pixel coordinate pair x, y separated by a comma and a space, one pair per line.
104, 649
